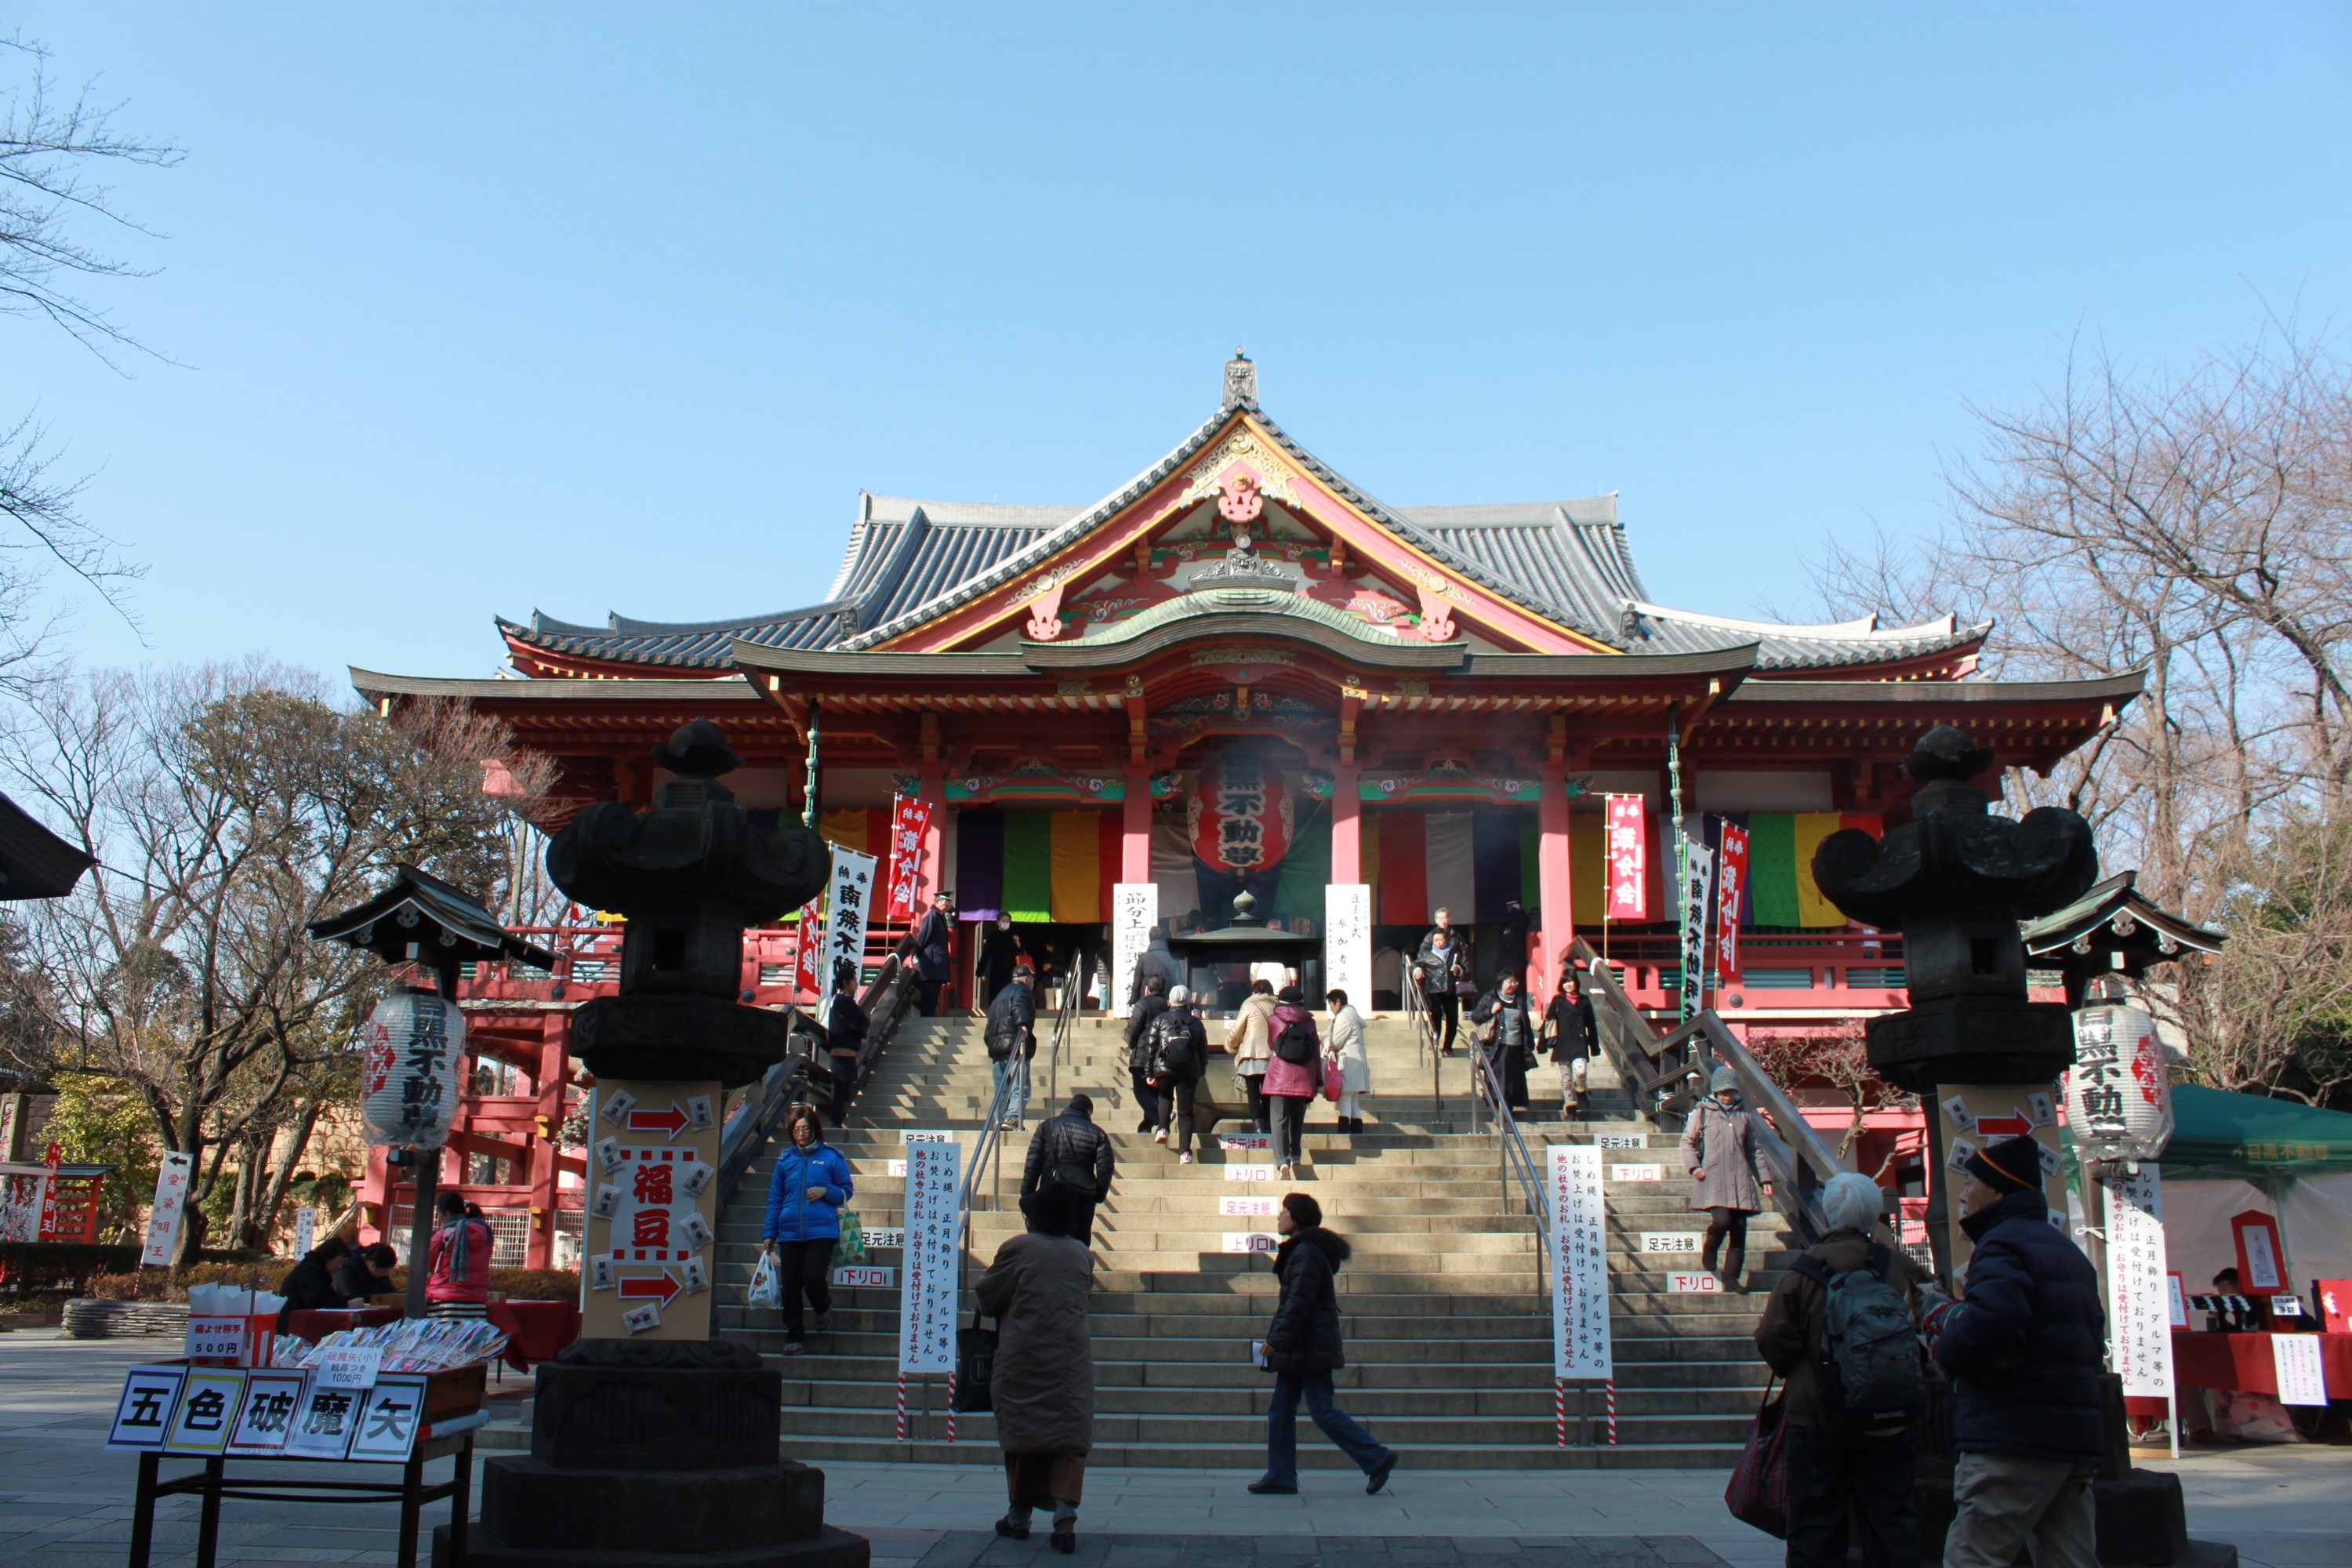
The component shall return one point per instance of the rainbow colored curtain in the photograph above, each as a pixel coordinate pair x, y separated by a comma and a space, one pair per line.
1781, 845
1036, 866
1470, 863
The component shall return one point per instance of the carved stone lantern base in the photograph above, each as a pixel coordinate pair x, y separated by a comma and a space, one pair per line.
677, 1034
1971, 1039
654, 1453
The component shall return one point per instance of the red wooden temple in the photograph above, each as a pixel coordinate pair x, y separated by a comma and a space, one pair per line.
1430, 701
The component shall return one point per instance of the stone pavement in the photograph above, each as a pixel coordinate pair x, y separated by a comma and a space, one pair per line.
65, 1503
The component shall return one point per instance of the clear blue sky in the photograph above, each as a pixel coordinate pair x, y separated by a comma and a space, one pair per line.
488, 307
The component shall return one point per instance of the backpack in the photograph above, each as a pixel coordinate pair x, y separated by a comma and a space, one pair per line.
1171, 1051
1296, 1044
1868, 1368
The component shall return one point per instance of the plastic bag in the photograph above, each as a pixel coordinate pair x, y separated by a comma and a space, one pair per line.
764, 1292
851, 1248
1334, 1081
2255, 1418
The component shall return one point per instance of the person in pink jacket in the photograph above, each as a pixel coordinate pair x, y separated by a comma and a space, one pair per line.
1291, 1085
458, 1283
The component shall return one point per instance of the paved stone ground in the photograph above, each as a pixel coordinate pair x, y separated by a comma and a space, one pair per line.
65, 1502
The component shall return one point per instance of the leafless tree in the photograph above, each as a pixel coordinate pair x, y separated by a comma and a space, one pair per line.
1836, 1060
228, 808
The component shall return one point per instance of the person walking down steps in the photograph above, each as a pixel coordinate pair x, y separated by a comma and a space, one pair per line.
1043, 1390
1728, 1176
1177, 1051
1302, 1350
1569, 1030
805, 1198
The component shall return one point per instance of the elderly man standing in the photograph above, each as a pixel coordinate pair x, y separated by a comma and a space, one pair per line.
2026, 1348
1845, 1461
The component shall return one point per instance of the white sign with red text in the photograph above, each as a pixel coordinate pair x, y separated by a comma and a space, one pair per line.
163, 1219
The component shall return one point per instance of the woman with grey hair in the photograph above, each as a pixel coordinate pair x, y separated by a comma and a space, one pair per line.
1728, 1174
1841, 1463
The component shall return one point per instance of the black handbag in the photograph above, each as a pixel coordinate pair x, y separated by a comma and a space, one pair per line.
975, 1369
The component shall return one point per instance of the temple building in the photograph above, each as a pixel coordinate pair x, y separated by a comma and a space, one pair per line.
1239, 670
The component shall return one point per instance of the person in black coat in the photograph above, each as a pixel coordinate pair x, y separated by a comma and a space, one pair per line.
1069, 1154
1147, 1006
934, 954
845, 1024
1303, 1349
1011, 1039
1000, 950
2026, 1345
366, 1272
1572, 1033
310, 1285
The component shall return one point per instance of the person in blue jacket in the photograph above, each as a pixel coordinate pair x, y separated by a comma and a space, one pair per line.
2026, 1345
804, 1202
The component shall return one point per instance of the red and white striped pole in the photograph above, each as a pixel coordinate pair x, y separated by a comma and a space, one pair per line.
1560, 1409
1611, 1386
951, 1405
902, 1407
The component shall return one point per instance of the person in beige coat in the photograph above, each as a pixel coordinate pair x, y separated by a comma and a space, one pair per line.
1728, 1180
1043, 1391
1251, 1042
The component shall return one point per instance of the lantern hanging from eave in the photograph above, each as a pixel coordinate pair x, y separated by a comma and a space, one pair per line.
2118, 1101
411, 1053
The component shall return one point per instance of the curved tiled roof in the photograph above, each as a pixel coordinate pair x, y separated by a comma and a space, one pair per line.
1569, 562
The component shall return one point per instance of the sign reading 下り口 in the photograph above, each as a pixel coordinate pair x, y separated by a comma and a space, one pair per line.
926, 1281
1251, 1241
871, 1274
651, 1218
1636, 1173
1692, 1285
1579, 1297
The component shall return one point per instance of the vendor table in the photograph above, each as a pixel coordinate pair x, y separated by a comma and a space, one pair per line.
2241, 1363
213, 1482
535, 1330
311, 1326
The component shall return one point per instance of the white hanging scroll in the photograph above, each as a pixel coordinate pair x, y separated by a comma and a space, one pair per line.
2139, 1327
1580, 1298
927, 1279
1348, 942
1134, 911
850, 895
163, 1219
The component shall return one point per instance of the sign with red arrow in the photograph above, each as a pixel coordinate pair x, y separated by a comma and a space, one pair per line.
673, 1121
661, 1286
2013, 1126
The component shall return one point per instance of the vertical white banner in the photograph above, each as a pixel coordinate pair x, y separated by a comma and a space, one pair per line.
163, 1218
1699, 895
2139, 1316
1134, 911
927, 1278
1347, 944
1579, 1297
306, 1231
849, 895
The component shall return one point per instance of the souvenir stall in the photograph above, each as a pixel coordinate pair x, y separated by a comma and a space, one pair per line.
2263, 1187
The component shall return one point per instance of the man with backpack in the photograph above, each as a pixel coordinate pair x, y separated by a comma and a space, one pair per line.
1149, 1101
1071, 1155
1176, 1052
1011, 1029
1839, 1328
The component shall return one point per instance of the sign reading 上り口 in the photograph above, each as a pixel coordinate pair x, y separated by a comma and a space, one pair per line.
1581, 1345
1347, 941
163, 1218
1249, 1172
847, 893
1692, 1285
1628, 852
1730, 886
650, 1220
1134, 911
1636, 1173
2139, 1325
1251, 1241
927, 1285
1245, 1207
1669, 1241
2295, 1361
910, 825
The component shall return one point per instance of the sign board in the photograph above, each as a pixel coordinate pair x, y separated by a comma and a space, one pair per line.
883, 1236
1134, 911
1621, 1141
391, 1415
1628, 852
1348, 942
265, 1417
848, 895
210, 1338
1670, 1241
1692, 1285
2175, 1302
2139, 1326
1251, 1241
2294, 1359
2256, 1235
207, 1403
2335, 1304
1731, 885
1230, 1141
163, 1218
1976, 1116
652, 1212
306, 1231
1698, 903
866, 1274
143, 1414
1580, 1298
324, 1421
926, 1288
1249, 1172
1237, 1208
349, 1366
1636, 1173
895, 1167
927, 1135
910, 825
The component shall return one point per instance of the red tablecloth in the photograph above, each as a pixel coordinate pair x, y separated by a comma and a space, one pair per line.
2243, 1361
312, 1327
535, 1330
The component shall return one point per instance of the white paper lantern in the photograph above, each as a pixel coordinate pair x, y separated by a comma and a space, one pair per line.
411, 1048
2118, 1100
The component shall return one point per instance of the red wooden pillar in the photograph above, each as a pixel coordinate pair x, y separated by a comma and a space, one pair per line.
1346, 827
1135, 829
1552, 873
375, 1187
538, 1249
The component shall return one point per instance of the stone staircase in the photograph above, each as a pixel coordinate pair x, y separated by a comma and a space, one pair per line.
1447, 1323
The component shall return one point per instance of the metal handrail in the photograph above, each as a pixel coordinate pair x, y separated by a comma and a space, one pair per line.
1516, 1161
985, 1151
1416, 1003
1619, 1024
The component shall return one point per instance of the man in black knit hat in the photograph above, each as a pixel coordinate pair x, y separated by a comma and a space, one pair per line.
2026, 1345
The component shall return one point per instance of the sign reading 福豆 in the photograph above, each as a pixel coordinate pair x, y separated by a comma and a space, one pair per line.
2139, 1327
1134, 911
1579, 1297
926, 1284
651, 1217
